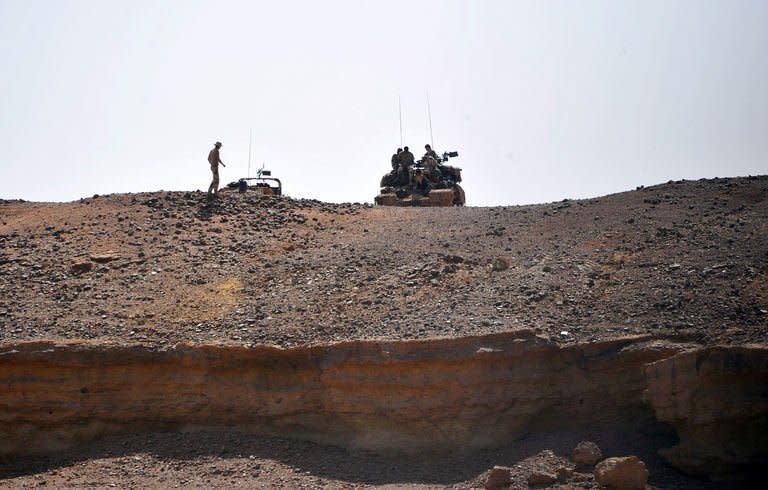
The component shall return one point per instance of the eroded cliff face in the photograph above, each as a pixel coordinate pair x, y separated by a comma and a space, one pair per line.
717, 399
402, 396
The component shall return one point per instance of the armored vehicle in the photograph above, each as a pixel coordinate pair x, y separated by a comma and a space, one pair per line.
427, 183
263, 183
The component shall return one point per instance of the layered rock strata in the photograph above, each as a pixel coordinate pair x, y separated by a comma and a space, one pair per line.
406, 396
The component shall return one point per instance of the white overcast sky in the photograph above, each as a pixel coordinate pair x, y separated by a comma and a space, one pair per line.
544, 100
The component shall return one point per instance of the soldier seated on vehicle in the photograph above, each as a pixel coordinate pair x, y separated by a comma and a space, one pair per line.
396, 159
430, 153
393, 178
406, 162
421, 182
431, 168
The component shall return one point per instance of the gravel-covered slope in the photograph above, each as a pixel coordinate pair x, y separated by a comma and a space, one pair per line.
687, 258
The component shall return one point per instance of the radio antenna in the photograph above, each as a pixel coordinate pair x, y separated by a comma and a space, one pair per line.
429, 115
250, 138
400, 113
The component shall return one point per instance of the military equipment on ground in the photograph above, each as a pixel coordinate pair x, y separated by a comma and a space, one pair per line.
426, 183
263, 183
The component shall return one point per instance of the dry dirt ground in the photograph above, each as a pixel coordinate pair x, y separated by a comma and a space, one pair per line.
685, 260
231, 460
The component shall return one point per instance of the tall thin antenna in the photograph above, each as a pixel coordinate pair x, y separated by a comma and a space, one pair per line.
250, 139
429, 114
400, 112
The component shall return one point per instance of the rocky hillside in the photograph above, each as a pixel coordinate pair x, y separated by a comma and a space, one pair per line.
686, 259
142, 341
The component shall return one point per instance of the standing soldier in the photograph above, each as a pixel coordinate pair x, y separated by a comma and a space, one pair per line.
406, 157
214, 159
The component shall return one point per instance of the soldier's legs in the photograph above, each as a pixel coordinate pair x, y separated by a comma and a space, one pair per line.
214, 187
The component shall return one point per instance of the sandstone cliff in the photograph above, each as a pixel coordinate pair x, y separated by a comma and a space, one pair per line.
406, 396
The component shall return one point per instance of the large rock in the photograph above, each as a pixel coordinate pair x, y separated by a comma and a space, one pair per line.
500, 477
625, 473
586, 453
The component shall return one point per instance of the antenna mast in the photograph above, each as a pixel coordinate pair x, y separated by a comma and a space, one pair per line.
429, 115
250, 138
400, 112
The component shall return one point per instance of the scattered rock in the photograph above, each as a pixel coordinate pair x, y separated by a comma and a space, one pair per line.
586, 453
499, 264
453, 259
541, 478
107, 256
81, 267
623, 473
500, 477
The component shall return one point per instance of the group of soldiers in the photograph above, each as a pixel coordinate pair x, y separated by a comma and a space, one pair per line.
403, 162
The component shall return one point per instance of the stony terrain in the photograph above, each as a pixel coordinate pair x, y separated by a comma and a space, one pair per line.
686, 261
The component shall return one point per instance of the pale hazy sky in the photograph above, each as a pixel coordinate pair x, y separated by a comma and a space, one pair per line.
544, 100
